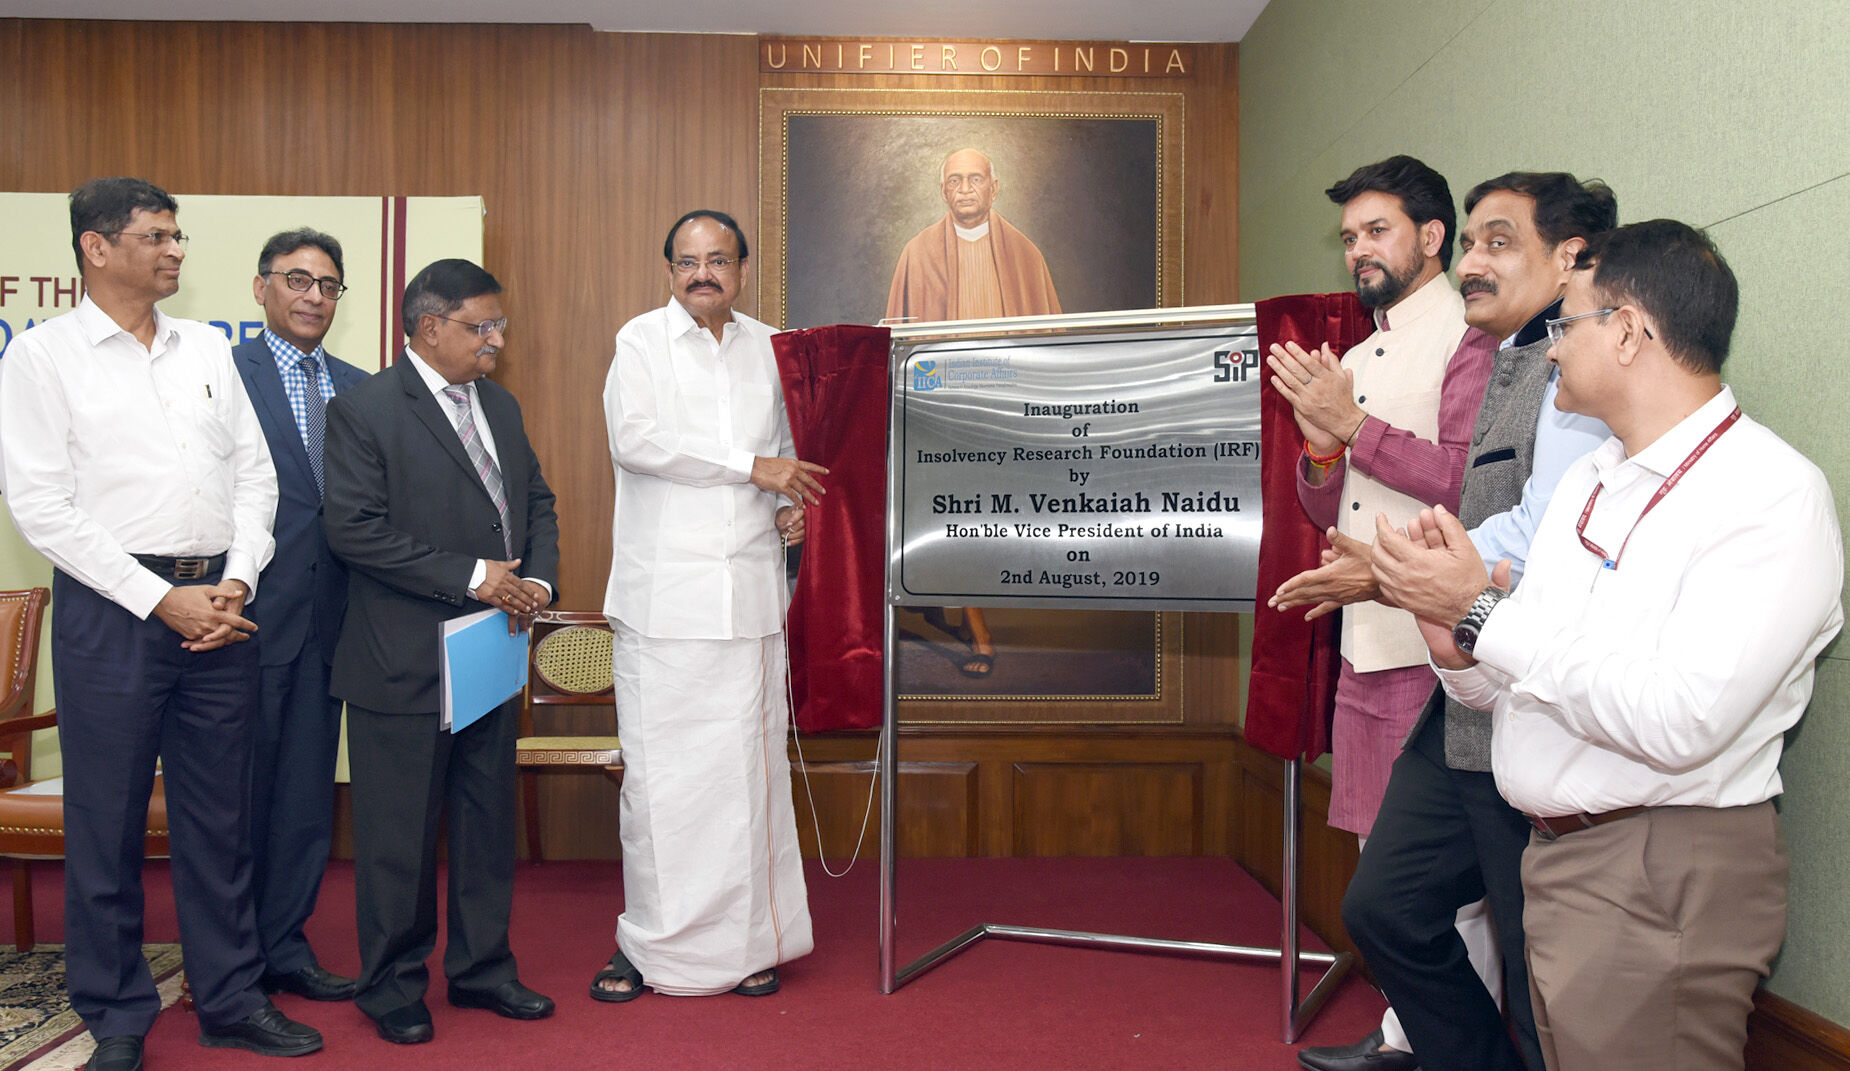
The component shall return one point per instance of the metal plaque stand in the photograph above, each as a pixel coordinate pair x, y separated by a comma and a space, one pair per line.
1294, 1013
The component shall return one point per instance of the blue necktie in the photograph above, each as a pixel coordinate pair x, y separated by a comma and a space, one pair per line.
317, 420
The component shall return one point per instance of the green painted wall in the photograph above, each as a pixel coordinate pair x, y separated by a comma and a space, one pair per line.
1730, 116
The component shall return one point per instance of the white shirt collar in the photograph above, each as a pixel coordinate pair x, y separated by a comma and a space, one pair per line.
98, 325
972, 234
1672, 447
680, 321
433, 379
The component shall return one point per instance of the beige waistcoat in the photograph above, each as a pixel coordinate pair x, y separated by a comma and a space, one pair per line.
1398, 374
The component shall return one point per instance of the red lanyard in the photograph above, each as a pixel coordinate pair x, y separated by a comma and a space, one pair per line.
1694, 456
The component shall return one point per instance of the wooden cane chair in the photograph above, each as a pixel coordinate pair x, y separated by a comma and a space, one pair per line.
32, 812
569, 667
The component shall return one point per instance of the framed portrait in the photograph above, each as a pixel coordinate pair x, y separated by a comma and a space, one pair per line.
868, 197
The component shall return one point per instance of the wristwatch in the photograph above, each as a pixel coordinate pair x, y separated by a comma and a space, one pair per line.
1464, 634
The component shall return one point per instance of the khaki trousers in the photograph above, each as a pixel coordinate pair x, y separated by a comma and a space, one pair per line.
1647, 936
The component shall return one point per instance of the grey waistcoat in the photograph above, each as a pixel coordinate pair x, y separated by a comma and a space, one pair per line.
1502, 453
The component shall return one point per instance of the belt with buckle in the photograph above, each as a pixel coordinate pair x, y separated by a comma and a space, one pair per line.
182, 568
1559, 826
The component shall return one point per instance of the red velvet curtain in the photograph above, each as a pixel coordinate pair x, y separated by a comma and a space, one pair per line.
1291, 692
835, 390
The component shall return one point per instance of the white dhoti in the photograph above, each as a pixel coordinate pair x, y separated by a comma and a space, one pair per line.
712, 876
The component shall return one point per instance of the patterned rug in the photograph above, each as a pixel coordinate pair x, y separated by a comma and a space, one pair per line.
38, 1029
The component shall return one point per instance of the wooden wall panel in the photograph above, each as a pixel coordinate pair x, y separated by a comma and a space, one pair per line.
585, 146
939, 800
1103, 809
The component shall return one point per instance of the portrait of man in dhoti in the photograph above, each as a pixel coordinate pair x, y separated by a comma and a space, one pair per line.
926, 206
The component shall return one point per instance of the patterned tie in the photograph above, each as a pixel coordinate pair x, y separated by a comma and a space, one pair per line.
316, 408
484, 465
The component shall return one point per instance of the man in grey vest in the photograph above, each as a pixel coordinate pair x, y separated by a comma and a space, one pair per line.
1444, 838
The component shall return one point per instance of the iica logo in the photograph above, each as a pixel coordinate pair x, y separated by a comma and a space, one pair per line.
925, 376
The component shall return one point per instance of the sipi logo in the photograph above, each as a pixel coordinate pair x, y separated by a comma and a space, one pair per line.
1233, 366
925, 376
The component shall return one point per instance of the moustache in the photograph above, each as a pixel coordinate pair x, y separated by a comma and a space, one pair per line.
1361, 264
691, 287
1476, 286
488, 351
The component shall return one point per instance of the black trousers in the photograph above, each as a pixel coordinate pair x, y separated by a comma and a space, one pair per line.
407, 773
292, 802
127, 692
1444, 838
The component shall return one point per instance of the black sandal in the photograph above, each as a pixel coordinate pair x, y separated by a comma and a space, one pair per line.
762, 989
977, 665
618, 970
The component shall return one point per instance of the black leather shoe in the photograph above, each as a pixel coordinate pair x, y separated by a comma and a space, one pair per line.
510, 1000
409, 1025
116, 1054
265, 1031
313, 981
1364, 1055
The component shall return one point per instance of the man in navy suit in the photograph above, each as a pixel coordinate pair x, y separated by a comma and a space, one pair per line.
290, 377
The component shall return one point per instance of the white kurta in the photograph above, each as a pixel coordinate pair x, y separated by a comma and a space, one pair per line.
712, 877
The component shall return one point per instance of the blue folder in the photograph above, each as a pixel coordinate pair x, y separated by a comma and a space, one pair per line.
483, 667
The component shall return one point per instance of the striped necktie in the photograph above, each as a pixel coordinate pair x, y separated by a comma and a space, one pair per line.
484, 465
315, 409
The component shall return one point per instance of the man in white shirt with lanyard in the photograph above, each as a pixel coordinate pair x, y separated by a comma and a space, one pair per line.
131, 458
713, 889
1682, 582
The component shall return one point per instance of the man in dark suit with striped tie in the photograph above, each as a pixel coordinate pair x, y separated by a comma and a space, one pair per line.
290, 376
436, 503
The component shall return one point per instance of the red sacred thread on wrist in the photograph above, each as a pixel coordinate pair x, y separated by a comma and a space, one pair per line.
1324, 462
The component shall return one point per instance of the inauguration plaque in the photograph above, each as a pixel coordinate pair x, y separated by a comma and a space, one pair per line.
1101, 465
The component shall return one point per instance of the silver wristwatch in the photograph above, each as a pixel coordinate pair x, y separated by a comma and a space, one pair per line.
1464, 634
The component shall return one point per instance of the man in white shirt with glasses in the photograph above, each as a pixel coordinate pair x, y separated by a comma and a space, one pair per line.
131, 458
1643, 676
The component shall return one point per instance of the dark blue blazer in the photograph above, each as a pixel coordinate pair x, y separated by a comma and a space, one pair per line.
304, 585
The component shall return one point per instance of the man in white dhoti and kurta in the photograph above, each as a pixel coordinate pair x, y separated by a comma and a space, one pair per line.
713, 885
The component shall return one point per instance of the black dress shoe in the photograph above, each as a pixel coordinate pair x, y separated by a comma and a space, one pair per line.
510, 1000
116, 1054
409, 1025
265, 1031
313, 981
1364, 1055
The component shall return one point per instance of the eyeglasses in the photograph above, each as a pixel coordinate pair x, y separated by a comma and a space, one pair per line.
300, 281
1557, 328
688, 265
155, 237
484, 328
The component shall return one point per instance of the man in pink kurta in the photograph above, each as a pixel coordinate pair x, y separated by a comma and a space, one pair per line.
1386, 430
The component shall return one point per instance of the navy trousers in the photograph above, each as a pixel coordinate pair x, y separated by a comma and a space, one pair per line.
292, 802
128, 692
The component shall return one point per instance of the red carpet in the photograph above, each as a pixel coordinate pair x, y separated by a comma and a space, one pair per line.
1000, 1004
